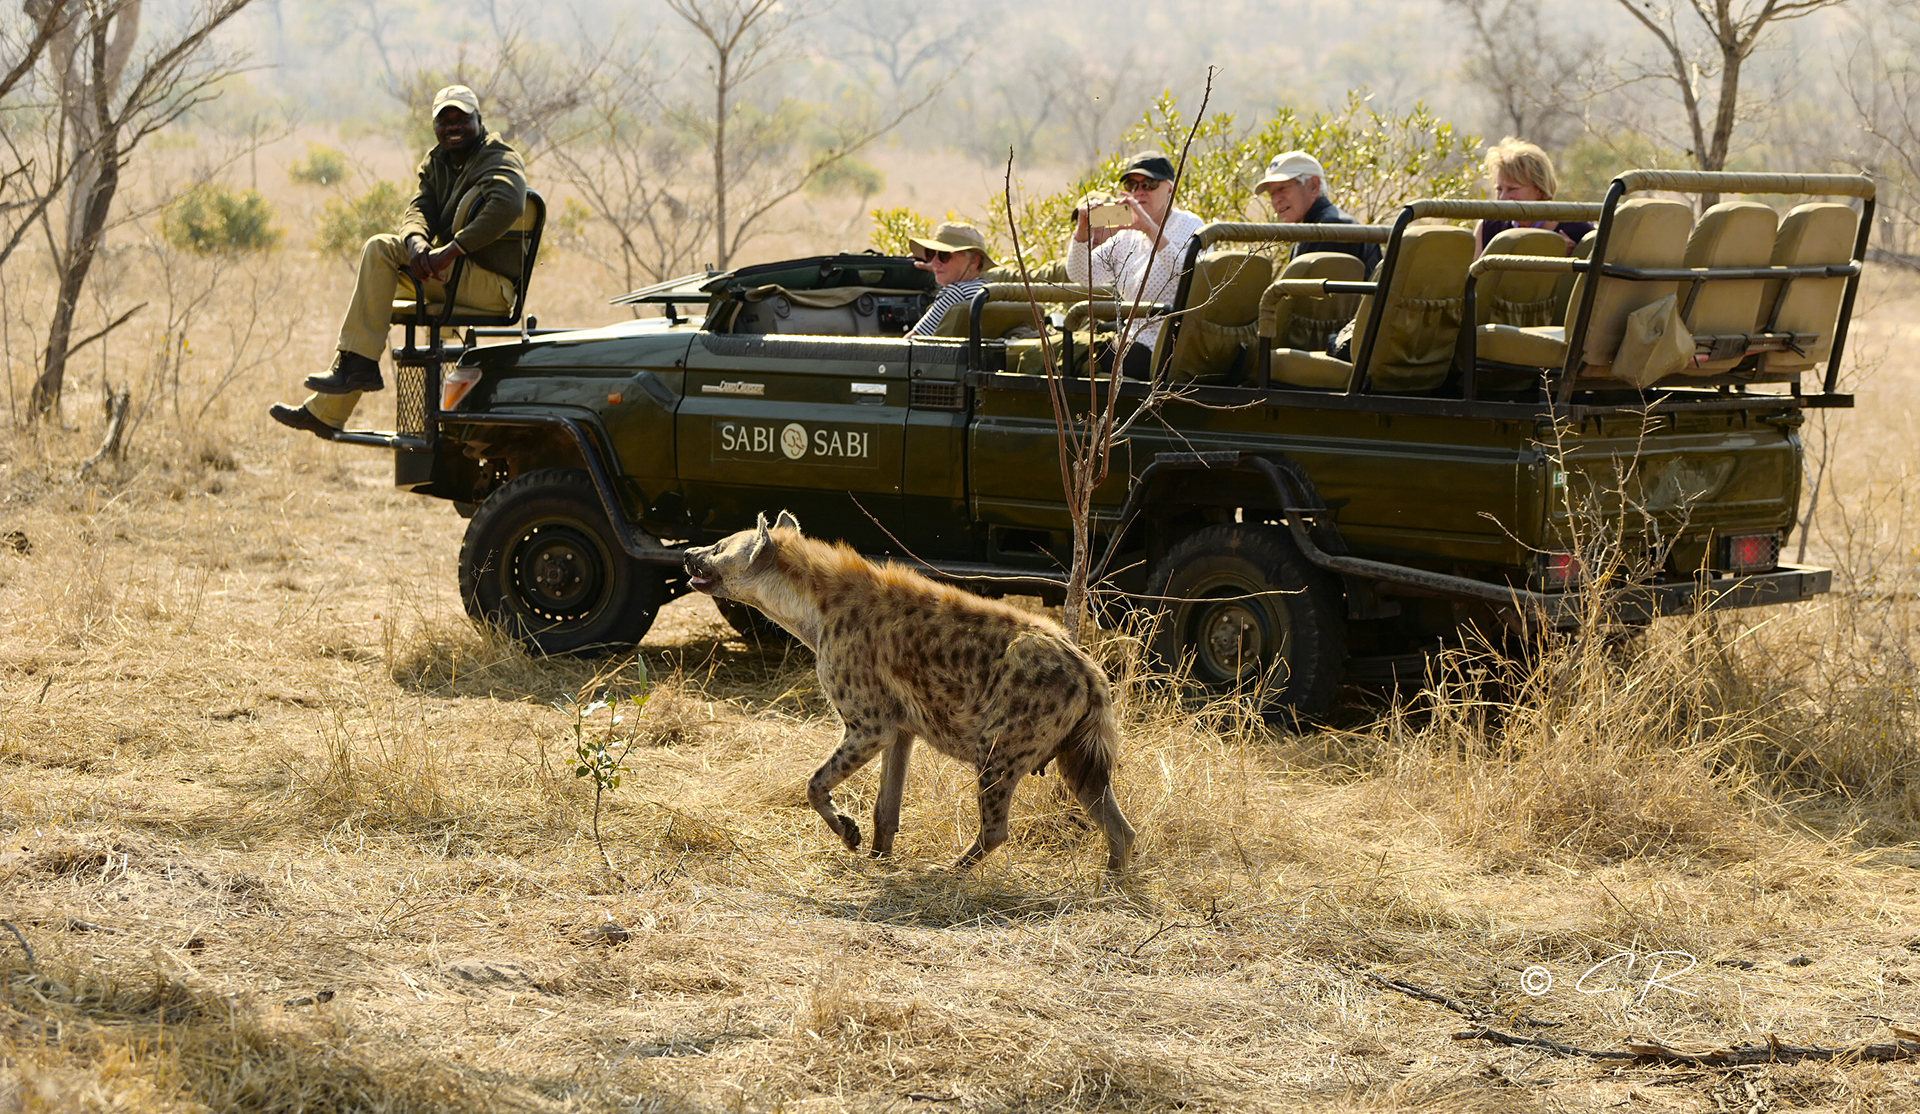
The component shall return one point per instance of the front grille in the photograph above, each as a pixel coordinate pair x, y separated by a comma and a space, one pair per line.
410, 400
937, 394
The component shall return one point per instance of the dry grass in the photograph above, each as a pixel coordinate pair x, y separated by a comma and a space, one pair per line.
285, 832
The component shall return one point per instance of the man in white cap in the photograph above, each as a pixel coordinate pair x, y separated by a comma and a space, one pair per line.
956, 254
467, 160
1295, 186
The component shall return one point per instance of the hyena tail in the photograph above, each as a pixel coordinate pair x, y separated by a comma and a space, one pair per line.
1086, 757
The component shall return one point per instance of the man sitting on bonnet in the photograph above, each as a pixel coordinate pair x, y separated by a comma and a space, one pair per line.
467, 159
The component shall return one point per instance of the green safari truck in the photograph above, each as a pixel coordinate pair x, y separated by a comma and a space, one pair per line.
1339, 472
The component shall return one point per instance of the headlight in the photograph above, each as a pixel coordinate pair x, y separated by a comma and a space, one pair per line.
454, 388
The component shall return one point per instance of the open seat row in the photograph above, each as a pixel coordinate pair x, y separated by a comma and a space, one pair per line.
1740, 296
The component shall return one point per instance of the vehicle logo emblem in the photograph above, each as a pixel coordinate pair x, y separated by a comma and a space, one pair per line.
793, 441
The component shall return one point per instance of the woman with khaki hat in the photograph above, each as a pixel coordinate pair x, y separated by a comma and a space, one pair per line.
956, 254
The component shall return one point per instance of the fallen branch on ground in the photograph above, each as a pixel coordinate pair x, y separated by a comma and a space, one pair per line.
1905, 1046
1651, 1051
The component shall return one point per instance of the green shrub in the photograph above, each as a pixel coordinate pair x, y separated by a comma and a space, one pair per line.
345, 225
893, 227
323, 166
212, 219
1376, 162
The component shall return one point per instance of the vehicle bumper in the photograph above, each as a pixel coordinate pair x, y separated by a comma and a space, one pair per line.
1786, 584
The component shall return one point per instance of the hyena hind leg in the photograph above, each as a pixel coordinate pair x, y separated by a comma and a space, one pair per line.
1095, 794
998, 780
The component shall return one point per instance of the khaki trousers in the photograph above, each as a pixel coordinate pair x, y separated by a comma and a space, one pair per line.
383, 263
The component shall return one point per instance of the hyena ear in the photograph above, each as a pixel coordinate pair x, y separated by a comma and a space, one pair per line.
761, 540
786, 521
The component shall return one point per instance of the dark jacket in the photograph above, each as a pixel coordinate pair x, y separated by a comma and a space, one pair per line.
1323, 212
496, 170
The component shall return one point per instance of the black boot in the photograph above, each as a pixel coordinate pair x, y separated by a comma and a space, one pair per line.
351, 372
299, 417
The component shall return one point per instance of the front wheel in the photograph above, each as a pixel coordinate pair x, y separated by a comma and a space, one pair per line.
542, 562
1250, 614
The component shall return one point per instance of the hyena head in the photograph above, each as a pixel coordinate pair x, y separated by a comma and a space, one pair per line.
741, 566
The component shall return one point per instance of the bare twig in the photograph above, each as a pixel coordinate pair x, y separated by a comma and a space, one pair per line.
20, 936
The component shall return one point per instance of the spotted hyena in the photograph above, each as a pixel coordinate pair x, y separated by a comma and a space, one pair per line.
900, 656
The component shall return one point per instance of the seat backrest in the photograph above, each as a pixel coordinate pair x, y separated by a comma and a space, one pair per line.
1563, 288
1221, 317
1647, 232
1421, 310
997, 319
1730, 234
1814, 233
1520, 298
525, 231
1304, 322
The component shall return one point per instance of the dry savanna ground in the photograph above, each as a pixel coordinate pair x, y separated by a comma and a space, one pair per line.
284, 832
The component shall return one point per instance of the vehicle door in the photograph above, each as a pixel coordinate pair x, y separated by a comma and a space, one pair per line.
813, 425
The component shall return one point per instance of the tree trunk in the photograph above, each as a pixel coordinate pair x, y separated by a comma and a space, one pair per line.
73, 277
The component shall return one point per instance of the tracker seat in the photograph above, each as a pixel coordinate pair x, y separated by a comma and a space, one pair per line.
526, 231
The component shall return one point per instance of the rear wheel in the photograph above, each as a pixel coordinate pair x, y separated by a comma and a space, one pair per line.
541, 561
1248, 613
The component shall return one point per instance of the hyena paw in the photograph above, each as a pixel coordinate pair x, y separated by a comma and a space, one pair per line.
849, 832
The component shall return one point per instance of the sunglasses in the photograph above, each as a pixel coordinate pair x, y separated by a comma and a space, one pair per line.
929, 256
1140, 185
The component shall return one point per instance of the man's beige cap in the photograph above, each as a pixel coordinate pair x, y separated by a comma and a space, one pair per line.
1289, 165
951, 236
457, 95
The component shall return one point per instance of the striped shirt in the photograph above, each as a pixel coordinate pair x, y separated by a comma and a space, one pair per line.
1125, 259
951, 295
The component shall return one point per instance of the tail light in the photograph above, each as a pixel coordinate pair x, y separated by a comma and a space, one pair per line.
1752, 552
1560, 570
455, 387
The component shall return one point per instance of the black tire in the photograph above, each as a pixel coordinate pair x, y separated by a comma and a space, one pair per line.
541, 561
1289, 645
753, 626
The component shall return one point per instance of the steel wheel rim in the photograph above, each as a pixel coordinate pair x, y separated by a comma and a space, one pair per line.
558, 572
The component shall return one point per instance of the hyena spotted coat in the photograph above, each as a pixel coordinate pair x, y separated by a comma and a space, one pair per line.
901, 656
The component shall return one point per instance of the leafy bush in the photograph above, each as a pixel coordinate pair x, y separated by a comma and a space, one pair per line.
1376, 162
847, 176
345, 225
893, 227
213, 219
323, 166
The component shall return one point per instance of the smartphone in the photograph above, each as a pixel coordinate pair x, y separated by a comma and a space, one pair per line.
1110, 214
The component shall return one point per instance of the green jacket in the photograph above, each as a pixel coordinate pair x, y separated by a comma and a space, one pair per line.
496, 170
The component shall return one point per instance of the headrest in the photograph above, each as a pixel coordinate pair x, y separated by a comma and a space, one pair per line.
1733, 234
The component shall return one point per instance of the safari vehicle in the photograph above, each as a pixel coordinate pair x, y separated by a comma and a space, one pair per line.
1507, 428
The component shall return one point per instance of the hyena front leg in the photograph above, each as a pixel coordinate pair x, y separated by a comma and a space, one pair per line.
893, 785
862, 741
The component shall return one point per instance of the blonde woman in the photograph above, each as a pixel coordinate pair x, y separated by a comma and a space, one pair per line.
1520, 171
